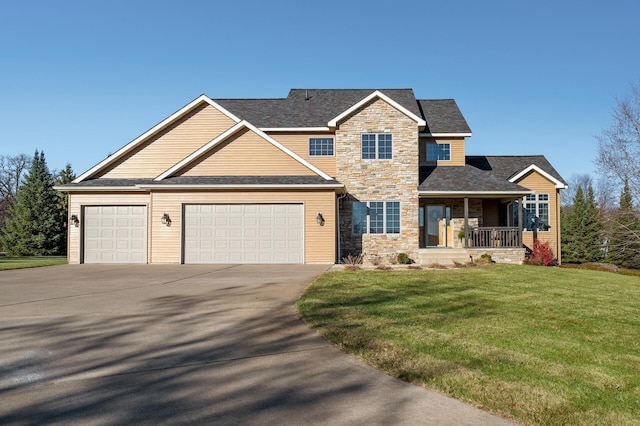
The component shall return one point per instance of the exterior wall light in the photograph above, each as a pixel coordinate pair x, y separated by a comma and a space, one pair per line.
320, 219
166, 220
74, 220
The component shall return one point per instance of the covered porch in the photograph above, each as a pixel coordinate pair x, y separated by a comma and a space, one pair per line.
466, 226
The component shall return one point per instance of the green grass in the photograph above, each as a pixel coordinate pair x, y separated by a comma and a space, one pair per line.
30, 261
541, 345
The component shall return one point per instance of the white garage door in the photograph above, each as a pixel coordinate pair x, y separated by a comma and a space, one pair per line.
243, 233
115, 234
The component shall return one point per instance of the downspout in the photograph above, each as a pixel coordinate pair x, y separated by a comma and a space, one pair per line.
340, 197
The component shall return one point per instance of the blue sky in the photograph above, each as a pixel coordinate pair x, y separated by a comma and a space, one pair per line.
81, 79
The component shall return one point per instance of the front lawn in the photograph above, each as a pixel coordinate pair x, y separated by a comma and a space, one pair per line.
540, 345
30, 261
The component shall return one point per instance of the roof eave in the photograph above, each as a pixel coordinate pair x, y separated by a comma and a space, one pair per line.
463, 194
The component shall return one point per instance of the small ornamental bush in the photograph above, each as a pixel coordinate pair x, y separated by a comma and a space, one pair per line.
403, 258
541, 255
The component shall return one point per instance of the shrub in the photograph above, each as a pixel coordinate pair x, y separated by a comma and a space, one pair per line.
541, 255
403, 259
486, 258
352, 260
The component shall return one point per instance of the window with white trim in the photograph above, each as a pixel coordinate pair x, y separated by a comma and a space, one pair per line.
438, 152
321, 147
376, 217
535, 212
377, 146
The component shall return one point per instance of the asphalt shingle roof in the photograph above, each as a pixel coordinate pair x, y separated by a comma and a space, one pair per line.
316, 107
204, 180
482, 174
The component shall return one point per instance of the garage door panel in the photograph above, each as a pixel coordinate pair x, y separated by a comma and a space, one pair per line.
243, 233
115, 234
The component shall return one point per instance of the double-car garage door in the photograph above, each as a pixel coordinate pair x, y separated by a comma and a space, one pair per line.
212, 233
243, 233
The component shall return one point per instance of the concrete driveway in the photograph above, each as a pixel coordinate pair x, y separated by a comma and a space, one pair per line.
217, 344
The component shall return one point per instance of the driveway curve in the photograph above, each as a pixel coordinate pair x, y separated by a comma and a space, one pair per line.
214, 344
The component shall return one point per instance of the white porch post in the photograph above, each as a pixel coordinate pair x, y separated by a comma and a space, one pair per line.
466, 222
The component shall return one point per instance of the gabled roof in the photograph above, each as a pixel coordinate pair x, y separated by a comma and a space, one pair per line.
164, 123
486, 175
226, 135
316, 108
508, 166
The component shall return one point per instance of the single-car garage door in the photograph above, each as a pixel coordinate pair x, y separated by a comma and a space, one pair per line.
115, 234
243, 233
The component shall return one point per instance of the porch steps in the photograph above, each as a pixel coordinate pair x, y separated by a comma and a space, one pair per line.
443, 256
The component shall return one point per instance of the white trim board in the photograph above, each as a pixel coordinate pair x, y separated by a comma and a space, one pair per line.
128, 147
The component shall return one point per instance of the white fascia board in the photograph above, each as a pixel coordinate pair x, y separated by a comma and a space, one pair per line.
118, 154
295, 129
242, 186
456, 194
533, 167
378, 94
202, 150
242, 124
446, 135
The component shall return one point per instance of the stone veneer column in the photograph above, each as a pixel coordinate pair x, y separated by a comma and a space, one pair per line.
379, 180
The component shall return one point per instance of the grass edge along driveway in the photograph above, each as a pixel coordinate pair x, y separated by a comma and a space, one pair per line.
20, 262
539, 345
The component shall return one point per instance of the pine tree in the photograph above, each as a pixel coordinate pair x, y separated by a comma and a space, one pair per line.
36, 225
582, 230
64, 177
624, 241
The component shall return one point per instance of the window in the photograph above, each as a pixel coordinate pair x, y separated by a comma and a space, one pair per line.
377, 145
438, 152
376, 217
535, 212
322, 147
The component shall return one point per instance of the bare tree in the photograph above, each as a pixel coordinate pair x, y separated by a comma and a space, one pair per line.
576, 181
12, 169
619, 145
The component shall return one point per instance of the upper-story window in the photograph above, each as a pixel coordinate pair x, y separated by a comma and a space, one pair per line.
438, 152
535, 209
321, 147
377, 146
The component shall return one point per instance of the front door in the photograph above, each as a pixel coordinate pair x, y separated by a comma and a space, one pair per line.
437, 229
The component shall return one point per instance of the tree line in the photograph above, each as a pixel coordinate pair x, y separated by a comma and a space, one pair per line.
597, 227
33, 215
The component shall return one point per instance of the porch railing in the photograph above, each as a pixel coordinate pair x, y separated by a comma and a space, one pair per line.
496, 237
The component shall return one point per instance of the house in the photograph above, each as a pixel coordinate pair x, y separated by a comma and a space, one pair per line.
311, 178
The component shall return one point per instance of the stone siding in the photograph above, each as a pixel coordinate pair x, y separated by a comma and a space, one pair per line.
499, 255
394, 179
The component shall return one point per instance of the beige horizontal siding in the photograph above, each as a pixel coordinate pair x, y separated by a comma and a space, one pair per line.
319, 240
457, 151
299, 143
246, 154
163, 150
78, 201
541, 185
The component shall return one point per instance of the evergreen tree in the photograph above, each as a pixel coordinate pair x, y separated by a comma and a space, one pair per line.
582, 229
36, 226
64, 177
624, 241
